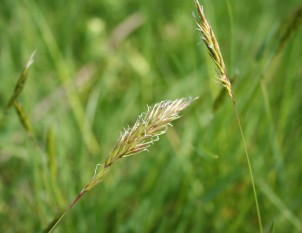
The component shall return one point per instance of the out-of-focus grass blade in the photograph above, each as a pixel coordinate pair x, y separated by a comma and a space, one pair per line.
272, 228
278, 156
277, 40
21, 82
65, 76
50, 148
274, 46
219, 99
284, 210
52, 166
288, 27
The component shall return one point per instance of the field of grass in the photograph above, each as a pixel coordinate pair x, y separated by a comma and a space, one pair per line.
97, 66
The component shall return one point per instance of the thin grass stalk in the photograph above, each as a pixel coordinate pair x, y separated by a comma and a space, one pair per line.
58, 221
212, 46
250, 169
146, 130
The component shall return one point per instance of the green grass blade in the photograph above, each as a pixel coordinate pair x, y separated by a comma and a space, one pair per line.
281, 206
272, 228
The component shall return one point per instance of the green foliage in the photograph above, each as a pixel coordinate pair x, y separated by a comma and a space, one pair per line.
97, 65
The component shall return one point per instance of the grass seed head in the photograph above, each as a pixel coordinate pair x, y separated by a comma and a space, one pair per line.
23, 117
212, 45
147, 128
21, 82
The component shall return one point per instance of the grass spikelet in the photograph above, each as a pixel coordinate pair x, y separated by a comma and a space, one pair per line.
138, 138
146, 129
21, 82
212, 45
22, 117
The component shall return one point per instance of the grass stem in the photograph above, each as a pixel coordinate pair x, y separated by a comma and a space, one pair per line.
250, 169
57, 221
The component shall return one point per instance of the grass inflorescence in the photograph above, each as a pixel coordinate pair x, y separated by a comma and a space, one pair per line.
133, 140
13, 102
212, 45
21, 82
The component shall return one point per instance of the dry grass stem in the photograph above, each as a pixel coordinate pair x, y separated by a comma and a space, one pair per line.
212, 45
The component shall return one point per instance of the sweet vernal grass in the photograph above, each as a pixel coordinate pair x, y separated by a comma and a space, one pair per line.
133, 140
212, 46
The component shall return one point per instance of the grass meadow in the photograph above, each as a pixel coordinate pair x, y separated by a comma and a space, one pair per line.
97, 66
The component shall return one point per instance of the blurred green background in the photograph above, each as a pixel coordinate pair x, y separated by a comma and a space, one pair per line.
99, 63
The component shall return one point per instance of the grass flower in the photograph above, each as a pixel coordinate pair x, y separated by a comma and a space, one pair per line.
212, 45
138, 138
